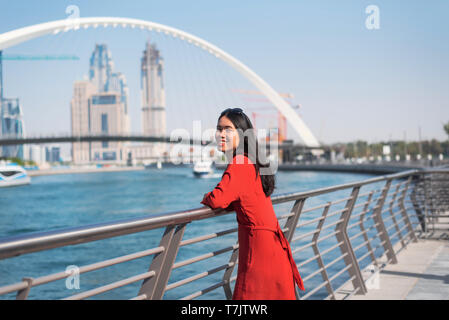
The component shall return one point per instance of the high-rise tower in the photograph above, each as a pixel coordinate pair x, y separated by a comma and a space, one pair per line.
11, 118
101, 66
100, 106
103, 76
153, 96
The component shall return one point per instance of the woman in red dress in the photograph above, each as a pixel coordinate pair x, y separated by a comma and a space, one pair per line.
266, 268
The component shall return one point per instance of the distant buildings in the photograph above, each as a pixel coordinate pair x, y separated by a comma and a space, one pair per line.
53, 154
40, 154
107, 116
11, 124
80, 123
11, 121
100, 106
153, 97
153, 92
103, 76
36, 153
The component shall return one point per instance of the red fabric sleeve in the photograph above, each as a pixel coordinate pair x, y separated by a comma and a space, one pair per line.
227, 190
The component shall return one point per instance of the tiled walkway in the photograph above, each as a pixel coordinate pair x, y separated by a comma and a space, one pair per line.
422, 272
434, 282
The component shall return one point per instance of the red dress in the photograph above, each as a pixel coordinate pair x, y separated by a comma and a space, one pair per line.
266, 268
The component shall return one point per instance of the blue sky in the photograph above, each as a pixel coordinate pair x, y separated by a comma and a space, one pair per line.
352, 83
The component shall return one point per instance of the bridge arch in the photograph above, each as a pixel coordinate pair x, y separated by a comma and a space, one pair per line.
14, 37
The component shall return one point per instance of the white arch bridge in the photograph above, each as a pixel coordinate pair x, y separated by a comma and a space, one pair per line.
18, 36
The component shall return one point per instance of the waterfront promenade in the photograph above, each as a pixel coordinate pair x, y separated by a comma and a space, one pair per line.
422, 273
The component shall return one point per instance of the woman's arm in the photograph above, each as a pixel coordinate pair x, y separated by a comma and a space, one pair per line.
227, 190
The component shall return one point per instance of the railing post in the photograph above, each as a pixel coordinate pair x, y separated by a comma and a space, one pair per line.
362, 227
396, 226
23, 294
320, 262
346, 247
404, 212
162, 263
292, 221
228, 272
428, 201
380, 226
416, 205
291, 224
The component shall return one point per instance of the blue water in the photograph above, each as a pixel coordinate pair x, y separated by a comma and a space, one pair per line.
71, 200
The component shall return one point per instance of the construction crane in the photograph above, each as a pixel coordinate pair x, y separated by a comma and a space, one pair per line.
283, 95
282, 121
23, 57
38, 57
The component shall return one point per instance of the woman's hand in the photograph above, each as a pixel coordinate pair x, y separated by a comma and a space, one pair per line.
204, 197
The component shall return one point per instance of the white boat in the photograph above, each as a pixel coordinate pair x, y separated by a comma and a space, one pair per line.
13, 175
202, 168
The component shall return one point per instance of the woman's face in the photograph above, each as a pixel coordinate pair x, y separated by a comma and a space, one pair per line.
226, 135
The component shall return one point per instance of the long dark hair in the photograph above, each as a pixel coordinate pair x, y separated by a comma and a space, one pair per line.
250, 147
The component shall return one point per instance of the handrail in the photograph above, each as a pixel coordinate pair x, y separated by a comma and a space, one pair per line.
22, 244
388, 200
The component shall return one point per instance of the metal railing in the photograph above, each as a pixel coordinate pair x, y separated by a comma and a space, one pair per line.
336, 233
429, 199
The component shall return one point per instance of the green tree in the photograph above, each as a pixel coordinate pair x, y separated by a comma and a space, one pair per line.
376, 149
19, 161
349, 150
362, 148
413, 148
446, 128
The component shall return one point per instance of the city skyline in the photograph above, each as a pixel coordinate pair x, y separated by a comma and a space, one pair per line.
100, 105
373, 85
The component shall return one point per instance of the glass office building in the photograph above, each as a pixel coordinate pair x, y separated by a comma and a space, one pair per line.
11, 117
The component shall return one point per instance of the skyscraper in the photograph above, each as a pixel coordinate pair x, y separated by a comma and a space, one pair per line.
100, 106
11, 120
80, 119
103, 76
11, 117
153, 96
101, 66
106, 114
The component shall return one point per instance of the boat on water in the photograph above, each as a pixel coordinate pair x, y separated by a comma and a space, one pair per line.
163, 165
202, 169
13, 175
